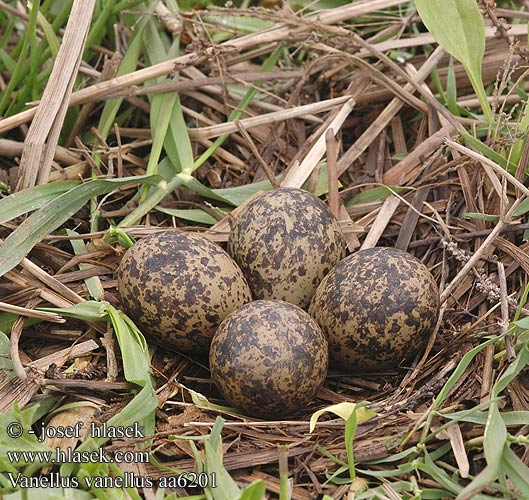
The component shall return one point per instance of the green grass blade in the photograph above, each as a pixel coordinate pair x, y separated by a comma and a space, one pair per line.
376, 194
482, 480
21, 67
517, 471
452, 380
451, 89
32, 198
8, 61
255, 491
226, 487
134, 349
458, 26
129, 63
165, 110
93, 283
50, 35
178, 139
350, 430
495, 438
485, 150
55, 213
89, 310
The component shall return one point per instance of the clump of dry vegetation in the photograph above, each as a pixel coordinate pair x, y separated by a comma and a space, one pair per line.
123, 118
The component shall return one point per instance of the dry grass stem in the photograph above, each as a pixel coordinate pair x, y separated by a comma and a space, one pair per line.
43, 134
267, 119
295, 177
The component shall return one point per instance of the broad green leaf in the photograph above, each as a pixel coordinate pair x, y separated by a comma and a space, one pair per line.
255, 491
342, 410
226, 487
7, 320
517, 471
22, 419
134, 349
495, 437
32, 198
89, 310
458, 26
196, 186
179, 136
53, 214
239, 194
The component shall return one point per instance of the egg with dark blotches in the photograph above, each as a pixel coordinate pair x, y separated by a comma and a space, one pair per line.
178, 287
269, 358
377, 307
285, 241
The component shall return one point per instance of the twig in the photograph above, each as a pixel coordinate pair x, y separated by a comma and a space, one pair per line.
332, 174
382, 220
485, 161
43, 135
297, 176
16, 332
31, 313
112, 364
266, 119
266, 169
504, 324
504, 220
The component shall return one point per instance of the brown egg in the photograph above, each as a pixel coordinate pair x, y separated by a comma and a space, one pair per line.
269, 358
377, 307
285, 242
178, 287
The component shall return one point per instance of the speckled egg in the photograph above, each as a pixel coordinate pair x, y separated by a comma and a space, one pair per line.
178, 287
377, 307
269, 358
285, 242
